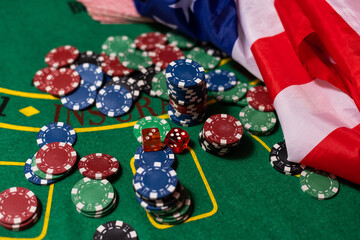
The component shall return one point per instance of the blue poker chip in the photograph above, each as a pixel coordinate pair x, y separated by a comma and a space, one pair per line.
144, 159
185, 73
186, 117
82, 98
155, 182
220, 80
185, 122
91, 74
31, 177
114, 100
56, 132
149, 207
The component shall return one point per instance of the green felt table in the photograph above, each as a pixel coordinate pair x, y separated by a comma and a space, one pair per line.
239, 196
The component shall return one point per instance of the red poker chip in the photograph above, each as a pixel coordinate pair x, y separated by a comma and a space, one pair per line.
56, 158
39, 80
259, 98
61, 56
63, 81
22, 226
163, 55
148, 41
17, 205
188, 109
223, 129
98, 166
113, 67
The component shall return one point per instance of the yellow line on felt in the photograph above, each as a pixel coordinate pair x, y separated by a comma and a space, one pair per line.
27, 94
255, 82
261, 142
8, 163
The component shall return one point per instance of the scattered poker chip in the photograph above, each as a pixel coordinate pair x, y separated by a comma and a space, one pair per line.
22, 226
113, 67
61, 56
185, 73
151, 122
56, 158
144, 159
158, 85
180, 40
114, 101
318, 184
89, 195
56, 132
115, 230
135, 59
206, 60
40, 78
257, 122
98, 166
212, 50
114, 45
91, 74
99, 214
155, 182
145, 78
211, 148
163, 55
88, 57
129, 83
259, 98
32, 177
223, 129
62, 81
279, 160
81, 98
220, 80
148, 41
149, 207
232, 95
242, 102
41, 174
17, 205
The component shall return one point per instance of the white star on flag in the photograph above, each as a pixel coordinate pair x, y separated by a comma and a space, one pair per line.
185, 5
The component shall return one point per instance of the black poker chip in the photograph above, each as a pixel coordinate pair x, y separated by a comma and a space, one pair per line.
88, 57
145, 76
210, 148
112, 230
279, 160
129, 83
213, 51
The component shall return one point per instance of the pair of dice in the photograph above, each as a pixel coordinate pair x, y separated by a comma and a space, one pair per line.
177, 139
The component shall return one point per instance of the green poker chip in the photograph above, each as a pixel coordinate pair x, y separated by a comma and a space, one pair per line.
318, 184
89, 195
242, 102
180, 40
257, 122
135, 59
151, 122
232, 95
114, 45
159, 87
99, 214
41, 174
207, 61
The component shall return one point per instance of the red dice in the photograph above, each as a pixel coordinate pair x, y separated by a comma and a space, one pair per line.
151, 139
177, 139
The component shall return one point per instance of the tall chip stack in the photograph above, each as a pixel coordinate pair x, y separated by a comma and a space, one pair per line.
186, 84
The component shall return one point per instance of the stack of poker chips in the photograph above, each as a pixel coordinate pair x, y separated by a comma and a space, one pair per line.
159, 192
221, 134
187, 91
19, 209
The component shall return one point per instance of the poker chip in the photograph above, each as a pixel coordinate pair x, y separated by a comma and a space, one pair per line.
81, 98
149, 207
155, 182
115, 230
22, 226
98, 166
56, 158
114, 101
185, 73
61, 56
318, 184
135, 59
163, 55
113, 67
88, 57
180, 40
145, 78
114, 45
165, 156
91, 74
279, 160
151, 122
220, 80
206, 60
92, 196
102, 213
62, 81
148, 41
232, 95
212, 148
56, 132
40, 78
212, 50
158, 86
17, 205
129, 83
257, 122
31, 176
242, 102
43, 175
259, 98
